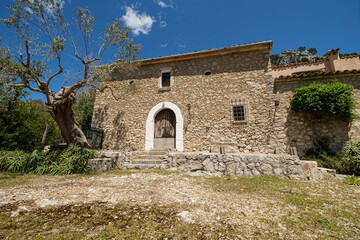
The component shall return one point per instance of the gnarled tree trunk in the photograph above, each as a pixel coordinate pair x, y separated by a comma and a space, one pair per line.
61, 111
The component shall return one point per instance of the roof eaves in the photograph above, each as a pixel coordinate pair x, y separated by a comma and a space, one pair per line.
210, 50
306, 76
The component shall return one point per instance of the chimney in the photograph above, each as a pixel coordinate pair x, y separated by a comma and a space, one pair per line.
334, 60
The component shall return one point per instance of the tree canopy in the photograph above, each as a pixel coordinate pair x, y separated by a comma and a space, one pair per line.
33, 58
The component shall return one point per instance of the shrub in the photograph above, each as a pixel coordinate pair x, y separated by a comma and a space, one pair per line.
346, 161
12, 161
333, 98
305, 59
352, 180
351, 161
56, 161
22, 127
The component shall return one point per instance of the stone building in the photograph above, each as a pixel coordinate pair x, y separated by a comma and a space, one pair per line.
303, 130
198, 101
224, 99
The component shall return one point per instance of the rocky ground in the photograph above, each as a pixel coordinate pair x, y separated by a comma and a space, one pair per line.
213, 207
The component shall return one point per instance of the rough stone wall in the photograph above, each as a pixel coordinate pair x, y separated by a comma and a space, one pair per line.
249, 165
303, 130
204, 102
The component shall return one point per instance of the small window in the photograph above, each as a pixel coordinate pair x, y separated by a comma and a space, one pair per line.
238, 111
165, 79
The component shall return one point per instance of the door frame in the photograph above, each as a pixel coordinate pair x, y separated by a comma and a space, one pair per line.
149, 135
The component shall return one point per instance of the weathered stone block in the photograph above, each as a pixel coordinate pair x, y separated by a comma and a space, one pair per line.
208, 166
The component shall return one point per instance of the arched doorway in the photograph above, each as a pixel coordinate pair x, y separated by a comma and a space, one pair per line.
150, 125
165, 129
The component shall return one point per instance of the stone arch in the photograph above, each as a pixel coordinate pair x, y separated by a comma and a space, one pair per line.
149, 136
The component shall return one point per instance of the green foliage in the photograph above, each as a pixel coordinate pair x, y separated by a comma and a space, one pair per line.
301, 49
346, 161
304, 59
348, 54
351, 161
312, 51
55, 162
274, 59
333, 98
22, 127
84, 107
352, 180
12, 161
332, 161
32, 56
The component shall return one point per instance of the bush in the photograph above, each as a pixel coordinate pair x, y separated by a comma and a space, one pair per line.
328, 99
305, 59
22, 127
12, 161
352, 180
55, 162
346, 161
351, 161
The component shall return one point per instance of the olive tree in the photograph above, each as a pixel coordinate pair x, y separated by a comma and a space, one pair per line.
42, 36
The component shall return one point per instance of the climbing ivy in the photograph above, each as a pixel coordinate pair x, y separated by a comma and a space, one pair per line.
334, 98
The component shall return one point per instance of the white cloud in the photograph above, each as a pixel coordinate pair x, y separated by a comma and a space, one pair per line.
163, 24
182, 45
164, 5
137, 22
164, 44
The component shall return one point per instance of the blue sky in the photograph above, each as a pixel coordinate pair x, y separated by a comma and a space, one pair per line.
165, 27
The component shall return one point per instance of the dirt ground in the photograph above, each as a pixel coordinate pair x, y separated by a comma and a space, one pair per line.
261, 207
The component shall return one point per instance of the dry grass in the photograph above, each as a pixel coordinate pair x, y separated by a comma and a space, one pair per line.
219, 208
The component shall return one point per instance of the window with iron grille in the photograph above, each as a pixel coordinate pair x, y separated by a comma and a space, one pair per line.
238, 111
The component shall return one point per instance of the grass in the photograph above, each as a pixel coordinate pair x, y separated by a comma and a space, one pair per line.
9, 179
330, 209
100, 220
306, 210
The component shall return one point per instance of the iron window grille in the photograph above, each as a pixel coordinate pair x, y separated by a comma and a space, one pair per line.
238, 111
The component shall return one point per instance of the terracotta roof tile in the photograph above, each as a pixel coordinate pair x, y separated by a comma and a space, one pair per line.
316, 74
208, 50
350, 56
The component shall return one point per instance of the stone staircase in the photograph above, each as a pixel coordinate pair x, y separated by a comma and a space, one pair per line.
147, 159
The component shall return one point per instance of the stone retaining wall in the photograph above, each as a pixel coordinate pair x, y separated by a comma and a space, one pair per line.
285, 166
249, 165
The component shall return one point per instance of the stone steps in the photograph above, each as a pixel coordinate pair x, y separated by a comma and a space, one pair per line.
147, 159
150, 157
144, 166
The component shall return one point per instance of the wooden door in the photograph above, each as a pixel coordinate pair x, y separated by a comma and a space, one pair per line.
165, 124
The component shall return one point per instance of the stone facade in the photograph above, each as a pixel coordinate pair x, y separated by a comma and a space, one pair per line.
201, 102
203, 87
302, 130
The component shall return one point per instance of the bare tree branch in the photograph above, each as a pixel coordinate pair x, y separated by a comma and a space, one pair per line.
61, 69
